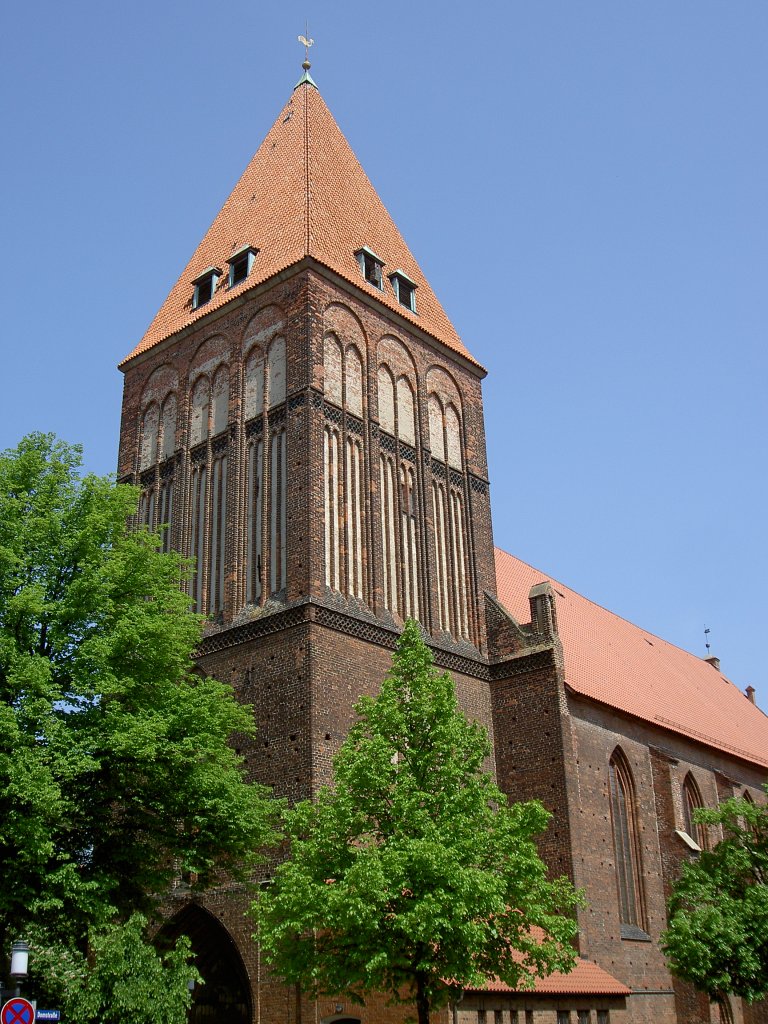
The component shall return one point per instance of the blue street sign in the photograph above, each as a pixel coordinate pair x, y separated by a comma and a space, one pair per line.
48, 1015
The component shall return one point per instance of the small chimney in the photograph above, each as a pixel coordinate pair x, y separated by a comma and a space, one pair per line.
750, 692
713, 661
543, 611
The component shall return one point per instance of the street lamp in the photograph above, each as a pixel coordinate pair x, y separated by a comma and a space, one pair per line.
19, 968
19, 960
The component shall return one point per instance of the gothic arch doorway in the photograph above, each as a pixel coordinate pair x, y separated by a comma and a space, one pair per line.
225, 996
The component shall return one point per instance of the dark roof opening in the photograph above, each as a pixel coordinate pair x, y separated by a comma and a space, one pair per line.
405, 289
371, 266
241, 264
205, 286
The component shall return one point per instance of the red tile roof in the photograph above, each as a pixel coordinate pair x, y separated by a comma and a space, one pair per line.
621, 665
585, 979
303, 194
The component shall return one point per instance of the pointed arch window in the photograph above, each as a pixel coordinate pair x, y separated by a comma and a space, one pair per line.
398, 495
253, 398
626, 847
169, 427
157, 445
343, 467
220, 400
448, 518
149, 434
691, 802
266, 475
198, 420
406, 412
209, 409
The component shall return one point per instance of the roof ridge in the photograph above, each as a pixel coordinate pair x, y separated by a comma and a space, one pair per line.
307, 194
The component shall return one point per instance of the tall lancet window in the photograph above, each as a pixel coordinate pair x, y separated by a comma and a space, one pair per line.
149, 433
199, 479
209, 413
278, 466
332, 488
167, 447
147, 460
408, 532
691, 802
343, 468
266, 471
199, 427
388, 505
169, 427
255, 516
253, 405
448, 517
398, 495
218, 492
278, 483
201, 400
626, 843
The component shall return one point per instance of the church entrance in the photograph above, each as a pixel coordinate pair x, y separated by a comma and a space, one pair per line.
225, 996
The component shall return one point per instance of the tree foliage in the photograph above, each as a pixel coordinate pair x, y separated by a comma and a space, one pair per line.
717, 937
115, 770
413, 876
123, 979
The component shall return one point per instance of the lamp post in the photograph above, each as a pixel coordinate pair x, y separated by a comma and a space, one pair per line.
19, 968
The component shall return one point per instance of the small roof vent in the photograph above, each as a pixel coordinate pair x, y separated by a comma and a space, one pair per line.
205, 286
371, 266
404, 288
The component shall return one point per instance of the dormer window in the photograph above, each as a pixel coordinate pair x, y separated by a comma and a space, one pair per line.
240, 264
404, 289
205, 286
371, 267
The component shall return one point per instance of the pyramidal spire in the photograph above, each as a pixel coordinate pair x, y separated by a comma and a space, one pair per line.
304, 194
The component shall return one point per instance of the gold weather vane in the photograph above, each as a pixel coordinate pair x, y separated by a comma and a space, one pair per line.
306, 42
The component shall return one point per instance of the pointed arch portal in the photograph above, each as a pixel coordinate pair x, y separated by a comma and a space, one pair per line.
225, 996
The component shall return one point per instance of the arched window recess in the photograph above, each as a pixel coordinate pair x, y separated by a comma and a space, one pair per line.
692, 801
626, 848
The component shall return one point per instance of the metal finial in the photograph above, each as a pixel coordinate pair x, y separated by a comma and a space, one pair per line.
306, 42
706, 638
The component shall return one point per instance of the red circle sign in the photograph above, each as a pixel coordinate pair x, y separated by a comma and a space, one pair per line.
17, 1011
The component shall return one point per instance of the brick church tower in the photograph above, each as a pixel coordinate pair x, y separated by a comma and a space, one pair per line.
303, 415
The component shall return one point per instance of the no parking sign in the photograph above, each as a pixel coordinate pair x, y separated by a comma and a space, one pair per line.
17, 1011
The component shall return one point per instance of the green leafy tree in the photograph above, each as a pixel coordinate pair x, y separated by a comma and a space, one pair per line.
123, 979
413, 876
115, 768
717, 937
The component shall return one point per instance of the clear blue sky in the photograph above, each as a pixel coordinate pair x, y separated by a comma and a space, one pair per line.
584, 184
